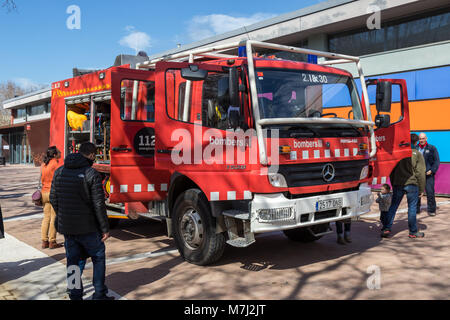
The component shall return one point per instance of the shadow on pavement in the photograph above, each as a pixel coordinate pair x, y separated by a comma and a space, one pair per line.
140, 277
128, 230
17, 269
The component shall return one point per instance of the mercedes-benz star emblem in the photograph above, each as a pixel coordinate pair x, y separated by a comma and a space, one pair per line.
328, 172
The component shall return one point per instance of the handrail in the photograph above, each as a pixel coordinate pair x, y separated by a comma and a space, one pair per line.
271, 121
336, 59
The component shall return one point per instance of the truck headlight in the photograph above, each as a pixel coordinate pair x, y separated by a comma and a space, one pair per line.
364, 173
277, 180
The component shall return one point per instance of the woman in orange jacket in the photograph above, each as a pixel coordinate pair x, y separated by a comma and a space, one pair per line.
48, 168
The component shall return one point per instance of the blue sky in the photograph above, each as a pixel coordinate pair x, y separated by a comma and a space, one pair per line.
36, 47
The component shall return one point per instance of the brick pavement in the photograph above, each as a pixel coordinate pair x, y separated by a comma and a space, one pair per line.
142, 262
6, 293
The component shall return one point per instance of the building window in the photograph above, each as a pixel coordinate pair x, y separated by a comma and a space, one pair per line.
35, 110
21, 113
420, 30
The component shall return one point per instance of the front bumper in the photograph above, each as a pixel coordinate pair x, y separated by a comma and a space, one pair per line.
303, 211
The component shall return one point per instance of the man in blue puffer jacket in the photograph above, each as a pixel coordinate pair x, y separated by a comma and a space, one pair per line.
432, 162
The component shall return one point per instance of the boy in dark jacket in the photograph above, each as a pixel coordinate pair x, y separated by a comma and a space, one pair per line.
79, 202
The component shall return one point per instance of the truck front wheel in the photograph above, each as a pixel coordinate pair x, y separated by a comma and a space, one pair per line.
304, 234
194, 229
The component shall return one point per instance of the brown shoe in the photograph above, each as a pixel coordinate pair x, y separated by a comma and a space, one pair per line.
45, 244
54, 245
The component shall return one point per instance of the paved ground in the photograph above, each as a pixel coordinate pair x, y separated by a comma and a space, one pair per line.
142, 263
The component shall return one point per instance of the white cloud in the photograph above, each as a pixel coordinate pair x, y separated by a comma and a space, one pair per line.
135, 40
201, 27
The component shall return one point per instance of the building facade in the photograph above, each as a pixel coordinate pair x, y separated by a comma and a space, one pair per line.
406, 39
25, 139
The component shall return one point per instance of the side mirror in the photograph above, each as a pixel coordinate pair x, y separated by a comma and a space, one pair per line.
233, 78
194, 73
382, 120
384, 96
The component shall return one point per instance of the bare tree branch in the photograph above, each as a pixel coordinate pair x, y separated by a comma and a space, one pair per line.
10, 5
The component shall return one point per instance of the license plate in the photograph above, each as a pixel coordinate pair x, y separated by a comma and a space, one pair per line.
329, 204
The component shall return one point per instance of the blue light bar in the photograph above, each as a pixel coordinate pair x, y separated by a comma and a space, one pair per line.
312, 58
242, 51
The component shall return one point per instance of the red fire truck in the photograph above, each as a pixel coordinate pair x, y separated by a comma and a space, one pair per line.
223, 147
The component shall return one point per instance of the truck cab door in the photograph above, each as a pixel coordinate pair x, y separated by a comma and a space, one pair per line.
133, 174
392, 131
181, 121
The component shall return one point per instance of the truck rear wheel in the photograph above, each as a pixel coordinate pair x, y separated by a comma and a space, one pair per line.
194, 229
304, 234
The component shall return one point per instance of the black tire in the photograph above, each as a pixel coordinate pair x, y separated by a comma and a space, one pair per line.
304, 234
205, 247
113, 223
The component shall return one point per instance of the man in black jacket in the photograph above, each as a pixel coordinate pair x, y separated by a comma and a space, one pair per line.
79, 202
432, 162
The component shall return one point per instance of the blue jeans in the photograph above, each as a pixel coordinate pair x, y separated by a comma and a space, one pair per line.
412, 195
431, 200
77, 247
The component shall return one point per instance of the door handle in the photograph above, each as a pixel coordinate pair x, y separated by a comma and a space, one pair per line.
122, 149
404, 144
168, 151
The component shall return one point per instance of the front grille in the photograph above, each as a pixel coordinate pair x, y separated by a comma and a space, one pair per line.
310, 174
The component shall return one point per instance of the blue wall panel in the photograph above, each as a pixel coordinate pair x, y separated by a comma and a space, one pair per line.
410, 84
426, 84
440, 139
433, 83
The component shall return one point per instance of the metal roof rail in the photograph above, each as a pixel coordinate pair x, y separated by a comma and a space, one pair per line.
217, 52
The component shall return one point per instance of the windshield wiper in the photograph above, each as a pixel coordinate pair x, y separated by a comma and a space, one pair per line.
346, 133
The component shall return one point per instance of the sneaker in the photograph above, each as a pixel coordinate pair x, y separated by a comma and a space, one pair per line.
340, 240
348, 239
431, 214
417, 235
45, 244
386, 233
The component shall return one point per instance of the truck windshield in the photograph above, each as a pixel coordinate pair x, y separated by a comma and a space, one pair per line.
301, 93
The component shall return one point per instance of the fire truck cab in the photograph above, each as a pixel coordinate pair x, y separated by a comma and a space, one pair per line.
224, 147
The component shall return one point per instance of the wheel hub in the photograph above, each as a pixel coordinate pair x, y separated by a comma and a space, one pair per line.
191, 229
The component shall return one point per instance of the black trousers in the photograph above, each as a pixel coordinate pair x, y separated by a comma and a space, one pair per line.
347, 226
429, 189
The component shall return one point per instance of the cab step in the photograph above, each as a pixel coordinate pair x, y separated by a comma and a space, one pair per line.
153, 216
237, 214
232, 217
240, 242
